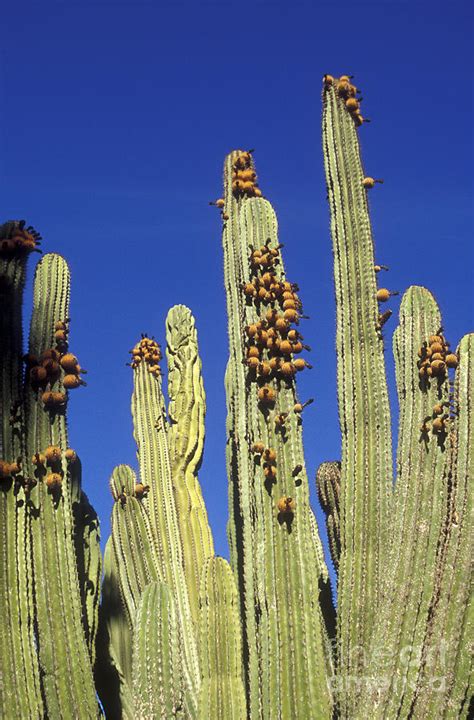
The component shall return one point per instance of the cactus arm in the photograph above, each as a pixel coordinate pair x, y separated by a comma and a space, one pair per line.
222, 693
20, 694
366, 472
328, 485
151, 434
136, 560
63, 653
114, 668
89, 564
284, 635
446, 684
158, 685
186, 411
420, 505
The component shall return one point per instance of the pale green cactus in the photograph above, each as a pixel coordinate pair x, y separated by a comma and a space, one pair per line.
154, 595
277, 558
183, 634
398, 655
51, 562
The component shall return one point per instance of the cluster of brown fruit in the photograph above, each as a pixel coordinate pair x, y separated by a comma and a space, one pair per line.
19, 240
435, 358
268, 455
220, 203
9, 469
272, 341
244, 176
140, 489
44, 371
286, 506
49, 462
438, 421
148, 351
348, 93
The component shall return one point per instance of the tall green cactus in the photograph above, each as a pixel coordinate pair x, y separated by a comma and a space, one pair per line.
180, 632
397, 654
276, 559
160, 544
51, 558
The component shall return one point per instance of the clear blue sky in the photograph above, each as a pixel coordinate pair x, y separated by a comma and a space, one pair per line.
115, 119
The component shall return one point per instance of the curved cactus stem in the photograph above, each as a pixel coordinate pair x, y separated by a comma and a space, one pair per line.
366, 471
222, 692
151, 435
66, 670
186, 412
446, 685
284, 635
328, 484
158, 685
20, 691
114, 667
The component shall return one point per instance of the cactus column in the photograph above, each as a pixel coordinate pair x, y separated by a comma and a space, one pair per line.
49, 579
366, 470
277, 559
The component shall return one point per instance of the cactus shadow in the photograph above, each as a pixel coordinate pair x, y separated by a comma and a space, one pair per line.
286, 519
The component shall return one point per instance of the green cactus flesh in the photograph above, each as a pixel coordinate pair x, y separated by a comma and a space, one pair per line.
274, 556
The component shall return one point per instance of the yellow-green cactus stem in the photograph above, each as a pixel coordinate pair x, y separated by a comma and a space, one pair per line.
67, 677
186, 412
366, 464
222, 693
20, 688
157, 663
274, 558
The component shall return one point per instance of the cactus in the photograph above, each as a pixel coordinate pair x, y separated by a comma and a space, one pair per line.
155, 589
183, 633
222, 693
394, 591
274, 553
51, 561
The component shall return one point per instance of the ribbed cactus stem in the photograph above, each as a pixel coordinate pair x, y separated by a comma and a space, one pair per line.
328, 483
158, 673
445, 686
134, 550
88, 556
151, 434
275, 555
366, 469
186, 410
63, 652
222, 693
420, 505
114, 667
20, 692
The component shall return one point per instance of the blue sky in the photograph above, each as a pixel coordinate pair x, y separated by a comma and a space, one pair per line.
115, 118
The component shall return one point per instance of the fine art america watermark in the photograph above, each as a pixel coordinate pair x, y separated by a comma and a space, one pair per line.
375, 670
